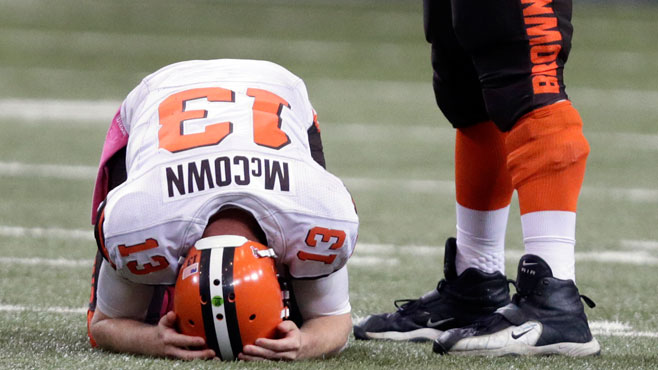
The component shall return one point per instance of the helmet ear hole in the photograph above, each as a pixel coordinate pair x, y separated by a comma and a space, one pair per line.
191, 322
231, 297
252, 317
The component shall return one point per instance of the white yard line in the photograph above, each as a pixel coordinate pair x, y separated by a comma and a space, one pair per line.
102, 111
599, 328
19, 308
385, 253
48, 170
650, 245
639, 258
618, 329
372, 261
366, 254
55, 110
638, 100
48, 232
631, 141
417, 186
390, 249
56, 262
636, 195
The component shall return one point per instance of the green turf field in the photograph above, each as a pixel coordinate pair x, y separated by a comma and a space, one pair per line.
65, 66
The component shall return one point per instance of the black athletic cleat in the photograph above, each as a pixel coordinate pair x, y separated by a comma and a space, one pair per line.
457, 301
545, 317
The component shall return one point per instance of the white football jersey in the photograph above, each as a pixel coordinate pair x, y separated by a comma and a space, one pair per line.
203, 135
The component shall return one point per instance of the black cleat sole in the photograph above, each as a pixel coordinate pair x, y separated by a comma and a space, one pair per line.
438, 348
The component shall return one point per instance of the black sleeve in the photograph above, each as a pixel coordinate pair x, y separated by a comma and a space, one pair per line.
116, 166
315, 141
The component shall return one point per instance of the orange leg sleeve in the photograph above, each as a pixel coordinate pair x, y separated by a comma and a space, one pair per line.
92, 298
547, 158
482, 180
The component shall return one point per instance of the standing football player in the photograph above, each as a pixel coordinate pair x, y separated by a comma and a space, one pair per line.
218, 147
498, 79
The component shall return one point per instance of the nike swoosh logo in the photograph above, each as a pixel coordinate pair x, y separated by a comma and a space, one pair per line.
525, 263
432, 324
517, 336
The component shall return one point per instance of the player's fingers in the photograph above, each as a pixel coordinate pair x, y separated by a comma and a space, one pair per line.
171, 337
184, 354
257, 352
286, 326
168, 319
278, 345
180, 340
245, 357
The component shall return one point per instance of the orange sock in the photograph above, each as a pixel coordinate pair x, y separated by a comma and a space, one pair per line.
481, 177
547, 158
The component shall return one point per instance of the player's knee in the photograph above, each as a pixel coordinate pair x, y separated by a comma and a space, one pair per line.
541, 148
92, 341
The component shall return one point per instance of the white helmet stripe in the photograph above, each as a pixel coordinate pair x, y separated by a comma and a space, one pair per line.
217, 300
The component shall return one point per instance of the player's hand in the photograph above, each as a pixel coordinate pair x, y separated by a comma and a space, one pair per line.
177, 345
287, 347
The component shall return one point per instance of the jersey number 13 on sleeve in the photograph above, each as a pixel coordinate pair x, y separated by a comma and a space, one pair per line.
333, 239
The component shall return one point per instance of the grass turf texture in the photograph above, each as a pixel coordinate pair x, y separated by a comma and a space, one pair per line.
366, 66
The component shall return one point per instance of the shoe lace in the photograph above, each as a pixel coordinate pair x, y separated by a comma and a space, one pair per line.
409, 304
517, 297
588, 301
513, 282
405, 304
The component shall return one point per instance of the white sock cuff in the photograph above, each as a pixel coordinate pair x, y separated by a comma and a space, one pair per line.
481, 239
482, 224
551, 236
559, 224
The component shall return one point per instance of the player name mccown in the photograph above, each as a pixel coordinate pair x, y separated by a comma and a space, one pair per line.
205, 174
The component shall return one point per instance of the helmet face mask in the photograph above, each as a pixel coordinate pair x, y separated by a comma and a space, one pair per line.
228, 293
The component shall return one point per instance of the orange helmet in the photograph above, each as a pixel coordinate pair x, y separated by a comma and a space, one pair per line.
228, 293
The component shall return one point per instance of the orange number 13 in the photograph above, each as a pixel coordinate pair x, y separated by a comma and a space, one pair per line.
173, 114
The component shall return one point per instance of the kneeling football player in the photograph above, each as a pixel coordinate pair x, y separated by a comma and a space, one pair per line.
201, 149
